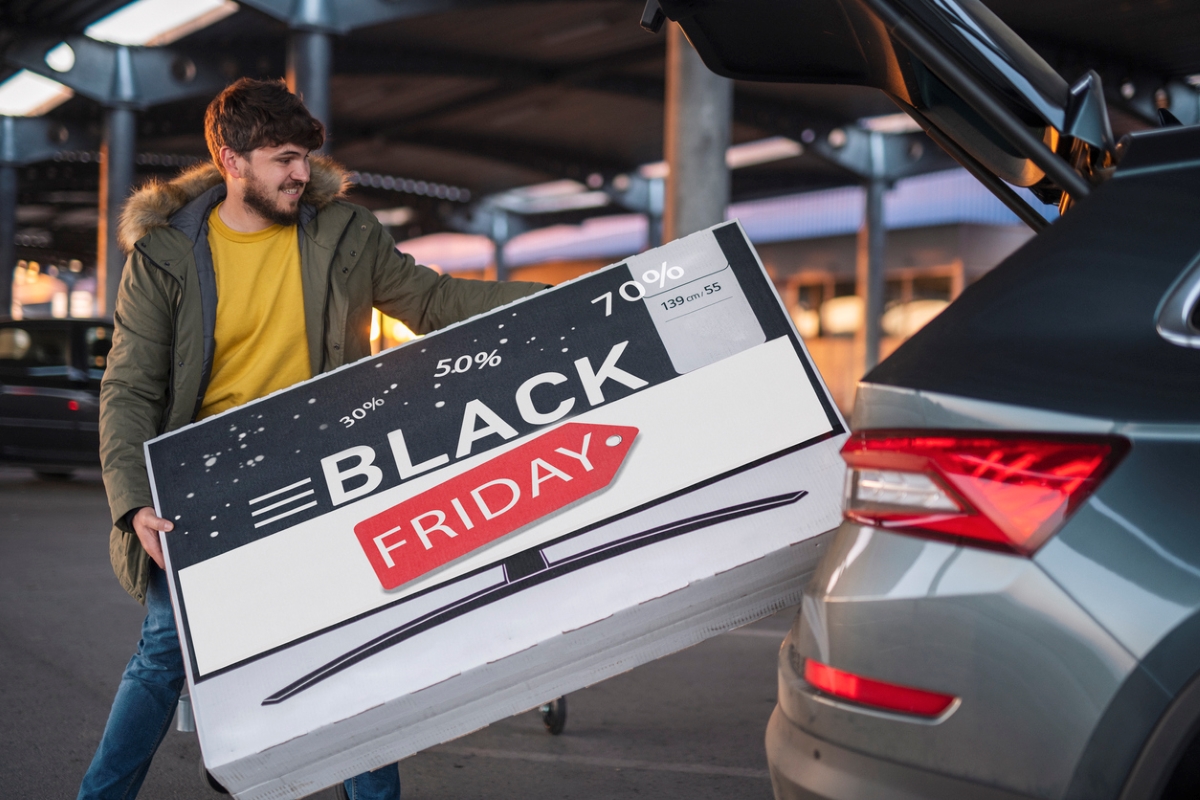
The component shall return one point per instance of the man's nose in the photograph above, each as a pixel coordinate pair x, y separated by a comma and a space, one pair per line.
301, 172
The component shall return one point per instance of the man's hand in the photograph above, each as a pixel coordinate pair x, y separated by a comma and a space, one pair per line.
147, 525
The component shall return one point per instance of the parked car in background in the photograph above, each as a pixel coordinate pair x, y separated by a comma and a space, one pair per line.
50, 371
1011, 608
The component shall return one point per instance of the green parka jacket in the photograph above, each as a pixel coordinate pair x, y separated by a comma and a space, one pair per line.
165, 315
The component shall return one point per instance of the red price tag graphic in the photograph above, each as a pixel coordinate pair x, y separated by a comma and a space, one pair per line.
492, 500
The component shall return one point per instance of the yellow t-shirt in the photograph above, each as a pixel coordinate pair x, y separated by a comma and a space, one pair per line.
261, 345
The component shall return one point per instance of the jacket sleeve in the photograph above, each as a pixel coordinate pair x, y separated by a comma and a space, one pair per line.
135, 389
426, 301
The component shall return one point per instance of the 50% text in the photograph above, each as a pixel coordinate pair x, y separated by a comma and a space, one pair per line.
466, 363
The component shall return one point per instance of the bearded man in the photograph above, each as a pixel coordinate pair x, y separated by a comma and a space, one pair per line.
245, 276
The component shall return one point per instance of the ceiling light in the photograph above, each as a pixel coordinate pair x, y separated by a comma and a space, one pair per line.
548, 205
27, 94
657, 169
61, 58
158, 22
762, 151
748, 154
891, 123
545, 198
549, 189
394, 216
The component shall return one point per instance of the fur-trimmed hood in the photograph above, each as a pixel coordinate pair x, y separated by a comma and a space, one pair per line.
153, 205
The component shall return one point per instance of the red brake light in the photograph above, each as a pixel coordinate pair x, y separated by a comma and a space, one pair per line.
867, 691
1006, 491
72, 405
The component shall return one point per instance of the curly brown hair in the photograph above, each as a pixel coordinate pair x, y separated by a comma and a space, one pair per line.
251, 113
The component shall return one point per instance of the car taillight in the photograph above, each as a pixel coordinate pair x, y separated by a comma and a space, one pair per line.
870, 692
1008, 491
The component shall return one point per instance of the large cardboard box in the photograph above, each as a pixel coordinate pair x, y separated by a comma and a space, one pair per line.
399, 552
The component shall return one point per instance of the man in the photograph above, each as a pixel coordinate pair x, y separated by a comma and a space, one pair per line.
245, 276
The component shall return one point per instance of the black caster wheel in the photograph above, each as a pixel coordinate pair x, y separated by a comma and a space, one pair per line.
554, 715
210, 781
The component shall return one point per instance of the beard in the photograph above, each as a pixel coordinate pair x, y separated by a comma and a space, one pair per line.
259, 199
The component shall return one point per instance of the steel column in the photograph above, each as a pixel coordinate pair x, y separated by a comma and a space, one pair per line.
116, 178
654, 217
699, 114
500, 236
8, 234
309, 65
870, 268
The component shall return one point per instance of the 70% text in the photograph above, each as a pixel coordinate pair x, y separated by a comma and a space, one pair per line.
635, 290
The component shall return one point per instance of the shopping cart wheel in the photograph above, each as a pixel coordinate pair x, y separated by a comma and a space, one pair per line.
210, 781
554, 715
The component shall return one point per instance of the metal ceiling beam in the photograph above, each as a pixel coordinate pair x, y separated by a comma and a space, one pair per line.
119, 76
515, 78
536, 156
1135, 89
358, 59
123, 80
344, 16
312, 24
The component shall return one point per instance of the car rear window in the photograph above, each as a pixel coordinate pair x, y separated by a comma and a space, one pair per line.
34, 352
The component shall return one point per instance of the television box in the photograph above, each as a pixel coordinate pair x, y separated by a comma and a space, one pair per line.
401, 551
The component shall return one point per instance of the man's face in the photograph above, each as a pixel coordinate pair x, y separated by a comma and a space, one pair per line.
274, 180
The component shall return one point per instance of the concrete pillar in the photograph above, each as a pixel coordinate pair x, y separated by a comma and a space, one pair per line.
699, 114
870, 278
116, 178
8, 234
309, 65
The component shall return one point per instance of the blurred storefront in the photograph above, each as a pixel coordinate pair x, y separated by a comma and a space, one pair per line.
56, 289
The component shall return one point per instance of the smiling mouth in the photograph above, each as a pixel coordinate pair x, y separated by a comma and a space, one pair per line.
293, 191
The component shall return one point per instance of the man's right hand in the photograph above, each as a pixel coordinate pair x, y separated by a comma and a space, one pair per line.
146, 524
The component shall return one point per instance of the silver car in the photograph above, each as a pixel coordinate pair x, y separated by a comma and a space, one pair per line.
1011, 608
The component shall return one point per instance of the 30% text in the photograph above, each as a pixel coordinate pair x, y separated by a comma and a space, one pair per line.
361, 411
466, 363
636, 290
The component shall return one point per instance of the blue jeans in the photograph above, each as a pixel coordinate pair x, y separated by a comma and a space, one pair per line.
145, 705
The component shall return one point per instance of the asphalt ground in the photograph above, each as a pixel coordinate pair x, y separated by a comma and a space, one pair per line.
689, 725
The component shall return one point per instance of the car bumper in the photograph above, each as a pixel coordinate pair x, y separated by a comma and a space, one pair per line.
1031, 672
804, 767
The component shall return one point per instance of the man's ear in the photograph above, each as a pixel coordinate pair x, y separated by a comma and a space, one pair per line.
233, 163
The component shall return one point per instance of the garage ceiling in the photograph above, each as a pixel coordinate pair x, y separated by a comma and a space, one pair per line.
492, 96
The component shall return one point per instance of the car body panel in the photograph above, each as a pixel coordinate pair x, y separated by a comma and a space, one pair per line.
806, 767
1131, 555
879, 406
990, 628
